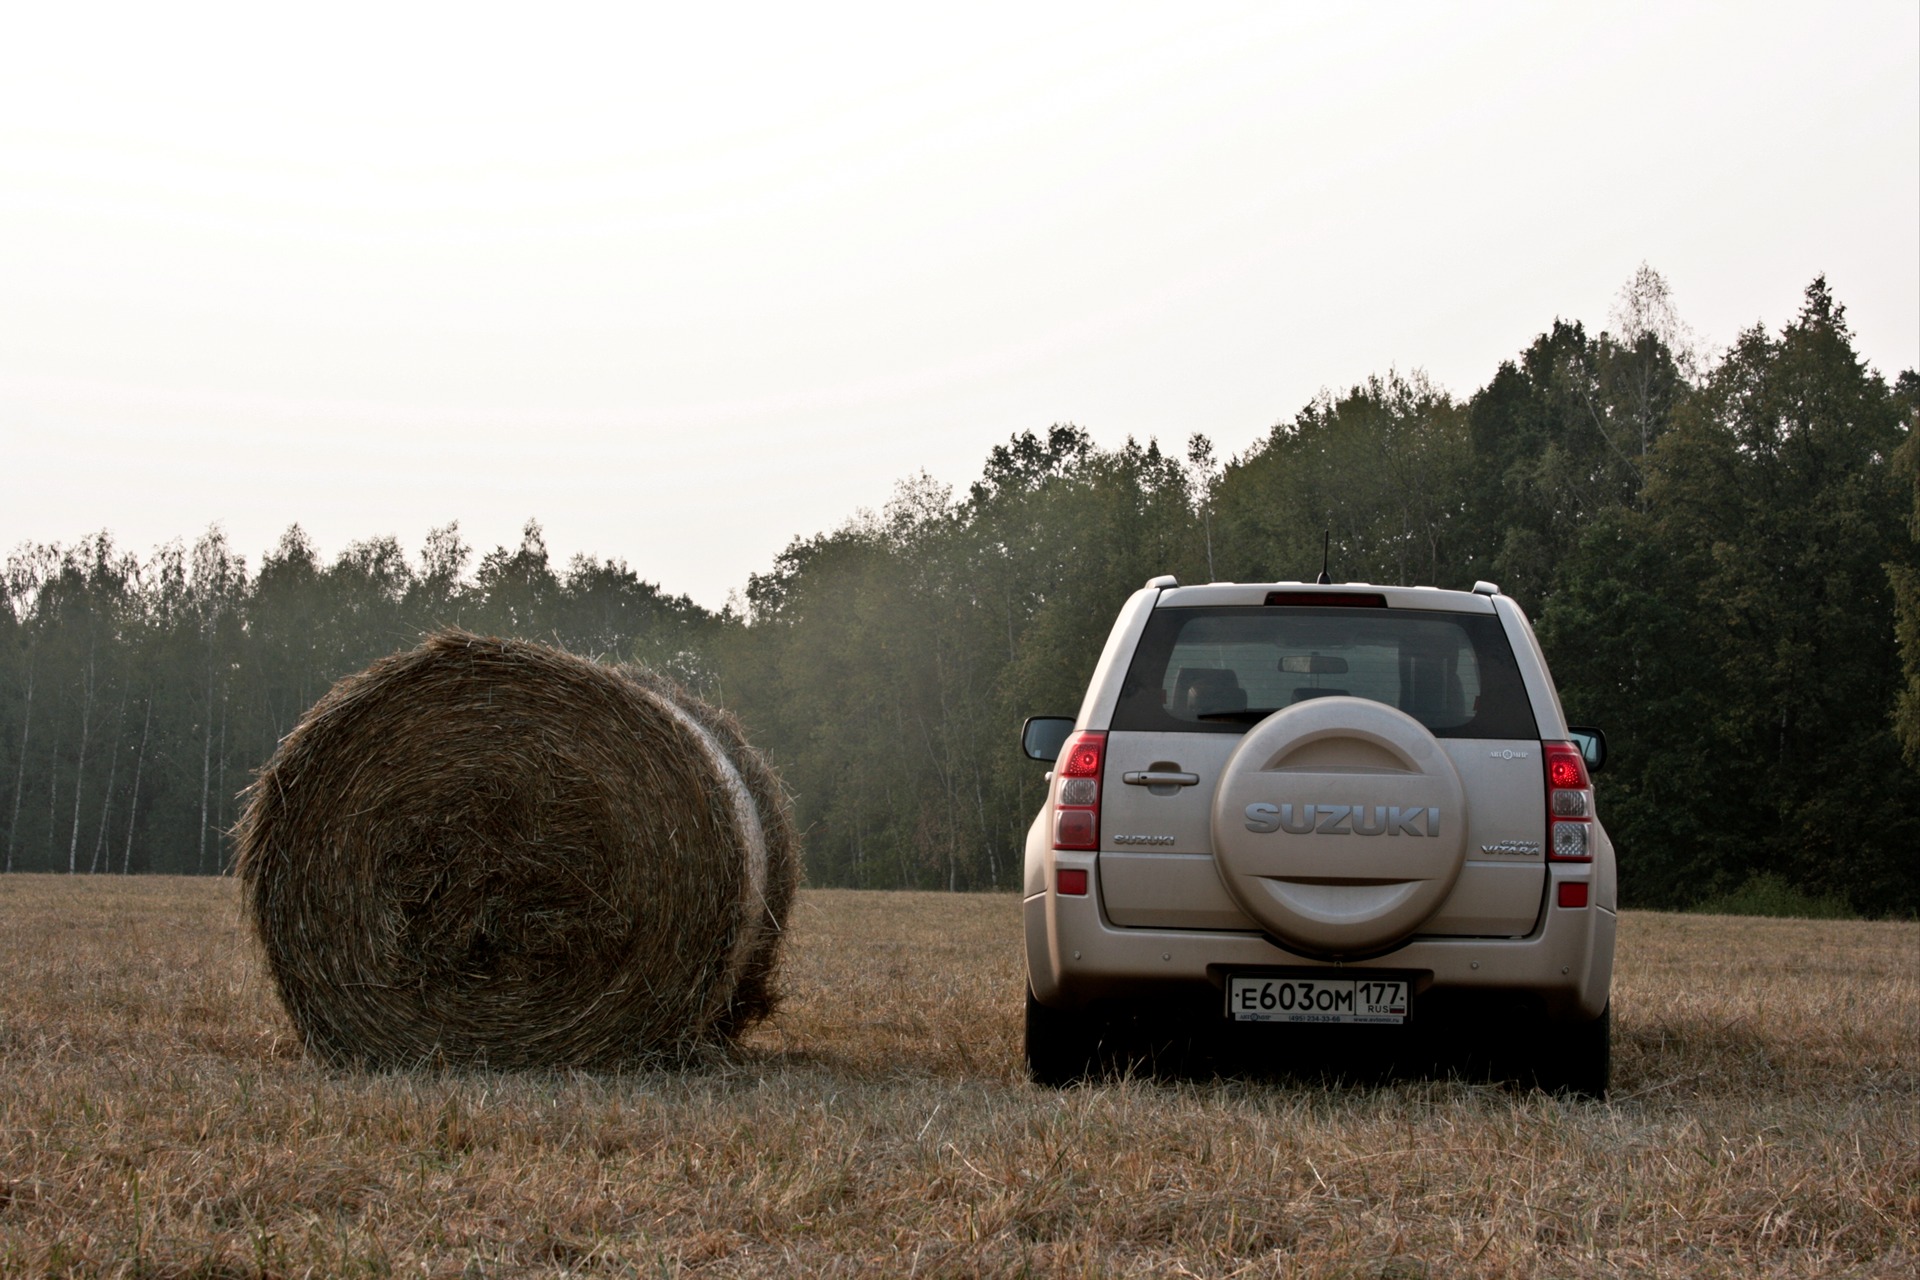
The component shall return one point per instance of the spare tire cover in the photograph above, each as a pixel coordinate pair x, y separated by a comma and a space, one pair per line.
1339, 825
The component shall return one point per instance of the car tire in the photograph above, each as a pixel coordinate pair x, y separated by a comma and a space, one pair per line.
1576, 1059
1062, 1045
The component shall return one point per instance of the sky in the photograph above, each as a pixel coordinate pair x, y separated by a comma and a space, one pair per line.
686, 282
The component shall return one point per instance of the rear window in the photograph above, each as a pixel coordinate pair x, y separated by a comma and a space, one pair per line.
1219, 670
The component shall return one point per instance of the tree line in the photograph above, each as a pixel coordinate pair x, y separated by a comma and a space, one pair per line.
1722, 558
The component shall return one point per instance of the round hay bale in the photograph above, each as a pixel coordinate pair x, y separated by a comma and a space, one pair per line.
755, 995
488, 852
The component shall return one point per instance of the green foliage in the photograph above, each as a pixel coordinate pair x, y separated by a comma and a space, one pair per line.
1740, 630
1559, 437
1622, 638
1904, 578
887, 666
1378, 470
1725, 565
1769, 894
137, 697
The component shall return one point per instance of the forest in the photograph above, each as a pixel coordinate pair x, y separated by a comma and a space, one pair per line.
1721, 554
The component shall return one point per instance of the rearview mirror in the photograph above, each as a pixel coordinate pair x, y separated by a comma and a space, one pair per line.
1313, 664
1592, 744
1041, 737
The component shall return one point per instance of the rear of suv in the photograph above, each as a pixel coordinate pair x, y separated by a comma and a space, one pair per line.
1331, 804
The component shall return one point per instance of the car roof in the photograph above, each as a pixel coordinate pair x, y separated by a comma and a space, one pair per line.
1255, 593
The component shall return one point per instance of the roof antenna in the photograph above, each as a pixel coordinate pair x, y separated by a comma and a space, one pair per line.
1326, 552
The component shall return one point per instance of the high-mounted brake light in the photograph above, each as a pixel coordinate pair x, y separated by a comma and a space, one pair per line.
1076, 795
1337, 599
1569, 803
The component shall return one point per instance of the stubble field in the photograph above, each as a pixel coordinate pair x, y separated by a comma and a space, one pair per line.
158, 1118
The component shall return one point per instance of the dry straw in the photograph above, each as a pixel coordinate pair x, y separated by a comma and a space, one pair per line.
487, 852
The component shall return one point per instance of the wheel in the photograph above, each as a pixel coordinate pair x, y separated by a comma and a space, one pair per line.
1577, 1059
1062, 1045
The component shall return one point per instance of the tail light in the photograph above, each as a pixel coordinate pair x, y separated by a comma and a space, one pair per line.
1569, 804
1076, 792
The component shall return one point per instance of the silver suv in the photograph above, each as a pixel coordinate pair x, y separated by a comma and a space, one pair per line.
1327, 804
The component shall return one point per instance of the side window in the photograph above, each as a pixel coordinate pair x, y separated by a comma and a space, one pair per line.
1220, 670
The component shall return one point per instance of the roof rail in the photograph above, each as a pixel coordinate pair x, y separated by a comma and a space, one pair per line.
1164, 581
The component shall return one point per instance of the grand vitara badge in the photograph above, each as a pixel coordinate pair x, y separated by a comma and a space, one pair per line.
1344, 819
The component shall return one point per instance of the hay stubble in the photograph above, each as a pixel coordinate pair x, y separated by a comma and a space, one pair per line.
157, 1117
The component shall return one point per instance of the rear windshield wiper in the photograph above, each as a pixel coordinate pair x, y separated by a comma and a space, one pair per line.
1249, 715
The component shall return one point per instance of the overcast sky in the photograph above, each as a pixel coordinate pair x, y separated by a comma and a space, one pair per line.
684, 282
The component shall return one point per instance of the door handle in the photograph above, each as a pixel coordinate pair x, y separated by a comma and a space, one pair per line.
1159, 778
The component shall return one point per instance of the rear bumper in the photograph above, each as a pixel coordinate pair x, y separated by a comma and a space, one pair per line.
1076, 956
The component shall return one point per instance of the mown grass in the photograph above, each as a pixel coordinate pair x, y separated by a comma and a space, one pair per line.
157, 1118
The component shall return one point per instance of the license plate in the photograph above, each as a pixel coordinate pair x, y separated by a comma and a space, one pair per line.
1255, 999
